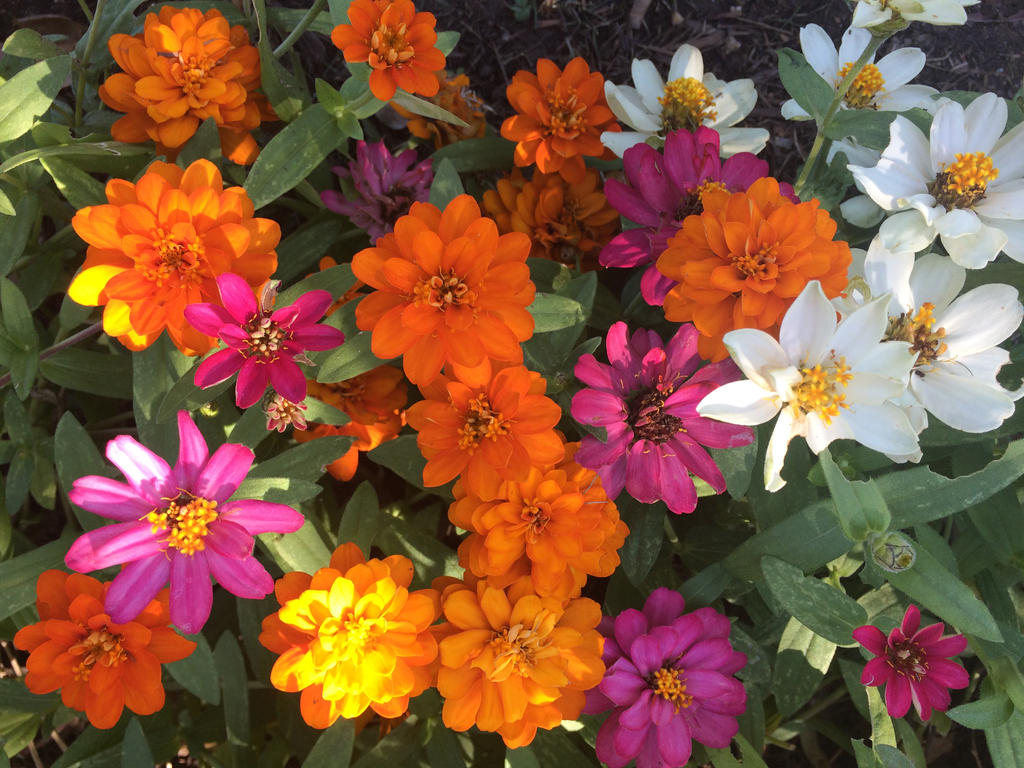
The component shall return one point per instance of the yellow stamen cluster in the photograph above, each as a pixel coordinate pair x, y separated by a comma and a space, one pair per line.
865, 86
98, 647
963, 183
194, 72
265, 339
443, 291
926, 343
389, 44
758, 264
535, 516
187, 524
567, 115
518, 647
350, 637
671, 686
482, 423
820, 389
687, 103
173, 257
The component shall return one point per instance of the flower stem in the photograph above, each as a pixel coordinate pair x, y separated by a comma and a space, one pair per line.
89, 45
300, 28
85, 9
70, 341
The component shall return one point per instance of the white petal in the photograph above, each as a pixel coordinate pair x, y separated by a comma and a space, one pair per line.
819, 434
906, 231
852, 45
981, 319
861, 211
686, 62
938, 12
909, 146
1014, 230
777, 447
982, 366
619, 142
808, 325
977, 250
957, 223
948, 135
1008, 153
627, 105
860, 332
854, 152
984, 118
890, 360
793, 111
756, 353
733, 100
1003, 201
648, 83
936, 279
883, 428
736, 140
963, 402
886, 270
907, 97
901, 66
820, 52
872, 389
740, 402
868, 14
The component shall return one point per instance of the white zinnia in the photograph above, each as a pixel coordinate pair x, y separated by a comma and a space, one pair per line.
965, 185
878, 86
826, 382
860, 210
870, 13
691, 98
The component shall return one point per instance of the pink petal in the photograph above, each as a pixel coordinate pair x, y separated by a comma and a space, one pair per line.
629, 249
237, 296
662, 710
595, 374
287, 378
229, 540
946, 646
647, 654
112, 545
637, 715
663, 606
712, 728
876, 672
146, 472
872, 638
318, 337
928, 635
675, 742
947, 673
262, 516
708, 684
310, 307
695, 459
707, 654
628, 741
643, 475
135, 586
897, 696
911, 621
108, 498
218, 367
191, 592
629, 625
244, 578
252, 382
622, 686
654, 286
592, 406
224, 472
192, 451
677, 488
207, 318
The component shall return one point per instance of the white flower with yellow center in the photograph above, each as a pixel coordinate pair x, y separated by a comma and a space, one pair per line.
691, 98
965, 185
825, 382
878, 86
871, 13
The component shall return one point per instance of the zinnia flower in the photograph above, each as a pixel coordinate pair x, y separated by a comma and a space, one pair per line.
282, 413
352, 636
158, 247
567, 223
557, 526
448, 289
743, 260
99, 665
185, 67
691, 98
397, 42
646, 399
455, 97
176, 524
262, 345
669, 683
560, 117
513, 662
913, 663
386, 186
872, 13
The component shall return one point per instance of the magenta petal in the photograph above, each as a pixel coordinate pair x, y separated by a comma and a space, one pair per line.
876, 672
192, 451
613, 476
237, 296
229, 540
637, 715
708, 684
134, 587
596, 702
224, 472
318, 337
596, 374
897, 696
662, 710
622, 687
218, 367
695, 459
654, 286
629, 741
112, 545
629, 625
649, 756
647, 654
262, 516
287, 378
707, 654
946, 646
663, 606
871, 637
252, 382
604, 745
592, 406
675, 742
677, 488
632, 248
207, 318
310, 307
244, 578
146, 472
713, 729
191, 592
631, 204
108, 498
643, 475
911, 621
593, 453
947, 673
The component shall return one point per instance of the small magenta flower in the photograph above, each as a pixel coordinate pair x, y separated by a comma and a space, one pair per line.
263, 346
913, 664
665, 188
669, 682
176, 524
647, 399
386, 187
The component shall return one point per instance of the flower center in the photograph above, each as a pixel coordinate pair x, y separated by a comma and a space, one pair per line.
187, 520
670, 684
482, 423
518, 647
568, 115
687, 103
820, 389
194, 72
171, 257
864, 88
907, 659
388, 46
963, 182
350, 636
693, 203
266, 338
282, 412
648, 419
98, 647
761, 265
535, 516
917, 331
443, 291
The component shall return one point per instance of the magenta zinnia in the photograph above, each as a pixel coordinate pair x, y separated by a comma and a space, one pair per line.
263, 345
647, 400
176, 524
913, 664
669, 682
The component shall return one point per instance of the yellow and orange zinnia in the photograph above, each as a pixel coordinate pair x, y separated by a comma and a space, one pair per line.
398, 43
159, 245
100, 667
742, 261
449, 289
513, 662
352, 637
184, 67
561, 117
456, 97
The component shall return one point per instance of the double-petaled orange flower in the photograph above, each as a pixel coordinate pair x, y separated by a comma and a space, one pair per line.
184, 67
743, 260
398, 43
561, 117
456, 97
513, 662
449, 289
100, 667
159, 245
568, 223
486, 434
352, 637
556, 527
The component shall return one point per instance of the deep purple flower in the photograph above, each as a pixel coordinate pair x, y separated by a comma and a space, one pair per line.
386, 187
647, 400
912, 663
263, 346
669, 681
663, 190
176, 524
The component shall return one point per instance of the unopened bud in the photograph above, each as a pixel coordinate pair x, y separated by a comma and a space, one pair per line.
892, 551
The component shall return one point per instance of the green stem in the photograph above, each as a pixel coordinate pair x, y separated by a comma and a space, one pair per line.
300, 28
85, 333
89, 45
85, 9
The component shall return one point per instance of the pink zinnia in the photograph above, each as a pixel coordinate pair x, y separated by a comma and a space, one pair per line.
663, 190
176, 525
913, 664
263, 346
669, 682
647, 400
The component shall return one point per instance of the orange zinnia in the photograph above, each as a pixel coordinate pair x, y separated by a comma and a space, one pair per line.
743, 260
561, 117
100, 667
448, 289
456, 97
486, 433
557, 526
159, 246
352, 636
568, 223
184, 67
396, 41
513, 662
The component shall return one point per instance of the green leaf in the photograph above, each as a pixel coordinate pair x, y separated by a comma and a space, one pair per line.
552, 312
135, 751
555, 748
339, 11
987, 712
860, 506
334, 747
299, 252
522, 757
154, 371
76, 456
283, 91
29, 94
890, 757
1006, 742
446, 41
90, 149
394, 749
350, 359
425, 108
197, 673
335, 280
737, 465
78, 187
722, 758
302, 550
483, 154
15, 230
646, 531
446, 185
186, 395
361, 519
234, 685
280, 490
801, 662
882, 731
15, 697
868, 127
16, 316
430, 556
306, 461
29, 44
804, 84
818, 606
204, 144
19, 574
404, 458
98, 373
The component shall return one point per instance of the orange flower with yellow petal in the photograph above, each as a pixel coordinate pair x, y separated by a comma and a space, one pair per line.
448, 289
556, 527
567, 223
397, 42
159, 245
352, 636
185, 67
743, 260
456, 97
561, 116
100, 667
513, 662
